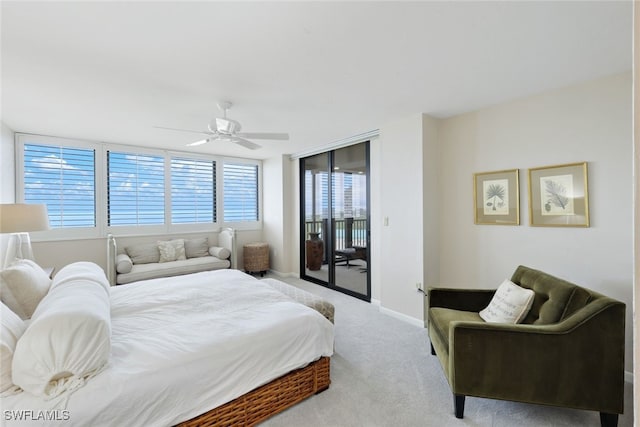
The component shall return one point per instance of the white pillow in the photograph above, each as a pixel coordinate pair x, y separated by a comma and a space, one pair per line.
80, 272
123, 263
12, 329
68, 340
218, 252
171, 250
510, 304
146, 253
6, 296
196, 248
27, 283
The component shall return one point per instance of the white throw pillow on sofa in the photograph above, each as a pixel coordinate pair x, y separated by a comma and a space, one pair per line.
171, 250
12, 329
24, 283
510, 304
69, 338
218, 252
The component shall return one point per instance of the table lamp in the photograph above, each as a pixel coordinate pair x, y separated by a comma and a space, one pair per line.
18, 219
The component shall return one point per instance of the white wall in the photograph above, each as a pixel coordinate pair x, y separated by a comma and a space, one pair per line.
636, 109
7, 175
401, 194
273, 207
588, 122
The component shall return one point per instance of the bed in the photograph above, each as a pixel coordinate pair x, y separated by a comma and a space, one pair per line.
211, 348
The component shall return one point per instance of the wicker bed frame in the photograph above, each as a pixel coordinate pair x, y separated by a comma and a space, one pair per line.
269, 399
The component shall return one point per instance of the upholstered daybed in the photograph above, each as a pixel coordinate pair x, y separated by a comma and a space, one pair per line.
210, 348
167, 257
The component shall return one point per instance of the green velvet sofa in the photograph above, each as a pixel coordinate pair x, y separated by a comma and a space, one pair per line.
568, 351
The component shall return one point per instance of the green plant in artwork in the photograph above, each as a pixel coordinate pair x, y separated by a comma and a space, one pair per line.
495, 196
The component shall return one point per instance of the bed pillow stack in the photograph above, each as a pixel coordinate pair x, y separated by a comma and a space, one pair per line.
69, 338
22, 286
12, 329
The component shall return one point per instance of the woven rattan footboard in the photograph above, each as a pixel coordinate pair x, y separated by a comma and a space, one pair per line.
269, 399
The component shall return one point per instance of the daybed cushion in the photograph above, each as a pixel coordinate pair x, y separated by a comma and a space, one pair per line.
175, 268
510, 304
171, 250
24, 284
69, 338
196, 248
12, 329
145, 253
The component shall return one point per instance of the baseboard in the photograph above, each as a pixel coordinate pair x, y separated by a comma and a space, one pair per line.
375, 302
628, 377
281, 274
412, 320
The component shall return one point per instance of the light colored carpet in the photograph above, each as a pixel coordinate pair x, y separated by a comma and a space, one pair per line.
383, 374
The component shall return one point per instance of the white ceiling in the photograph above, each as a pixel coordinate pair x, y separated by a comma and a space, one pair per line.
321, 71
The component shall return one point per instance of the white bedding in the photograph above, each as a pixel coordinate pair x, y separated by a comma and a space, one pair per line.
183, 345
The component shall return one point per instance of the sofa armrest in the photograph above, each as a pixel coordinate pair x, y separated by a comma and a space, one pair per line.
583, 354
460, 299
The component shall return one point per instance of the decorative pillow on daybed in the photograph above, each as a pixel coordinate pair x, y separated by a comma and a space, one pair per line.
145, 253
171, 250
123, 263
196, 248
24, 284
69, 338
218, 252
12, 329
510, 304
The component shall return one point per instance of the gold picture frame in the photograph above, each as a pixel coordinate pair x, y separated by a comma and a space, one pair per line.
559, 196
496, 197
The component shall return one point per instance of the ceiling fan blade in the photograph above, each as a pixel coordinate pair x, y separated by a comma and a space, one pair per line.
202, 141
243, 142
258, 135
182, 130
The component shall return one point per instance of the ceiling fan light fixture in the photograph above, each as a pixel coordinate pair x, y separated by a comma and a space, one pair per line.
227, 126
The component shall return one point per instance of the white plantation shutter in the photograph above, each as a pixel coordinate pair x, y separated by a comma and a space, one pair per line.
135, 189
193, 191
240, 192
63, 178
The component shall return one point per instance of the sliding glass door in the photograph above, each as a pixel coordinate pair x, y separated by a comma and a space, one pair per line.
334, 225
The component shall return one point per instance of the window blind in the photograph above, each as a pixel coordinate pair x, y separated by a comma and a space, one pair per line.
64, 179
240, 192
135, 193
193, 189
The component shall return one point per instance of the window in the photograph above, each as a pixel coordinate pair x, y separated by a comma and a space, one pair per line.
64, 179
193, 191
240, 192
93, 188
135, 194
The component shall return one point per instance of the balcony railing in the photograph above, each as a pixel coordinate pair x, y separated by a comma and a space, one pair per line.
349, 232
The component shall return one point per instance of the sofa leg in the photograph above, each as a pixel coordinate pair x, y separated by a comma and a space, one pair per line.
458, 404
433, 350
608, 420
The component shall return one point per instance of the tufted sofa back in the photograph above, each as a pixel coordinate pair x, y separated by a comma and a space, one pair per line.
555, 299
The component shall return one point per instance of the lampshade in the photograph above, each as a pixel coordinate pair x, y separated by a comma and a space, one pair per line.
20, 217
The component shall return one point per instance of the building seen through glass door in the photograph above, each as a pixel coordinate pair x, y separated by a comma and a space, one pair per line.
335, 220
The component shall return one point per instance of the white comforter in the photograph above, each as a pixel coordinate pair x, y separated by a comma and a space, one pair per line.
184, 345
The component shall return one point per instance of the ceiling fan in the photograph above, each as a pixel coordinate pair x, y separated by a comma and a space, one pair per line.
225, 129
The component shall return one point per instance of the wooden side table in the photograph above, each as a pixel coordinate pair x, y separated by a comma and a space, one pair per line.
256, 258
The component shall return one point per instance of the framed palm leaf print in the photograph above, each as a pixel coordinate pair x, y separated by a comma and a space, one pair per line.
496, 197
559, 196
